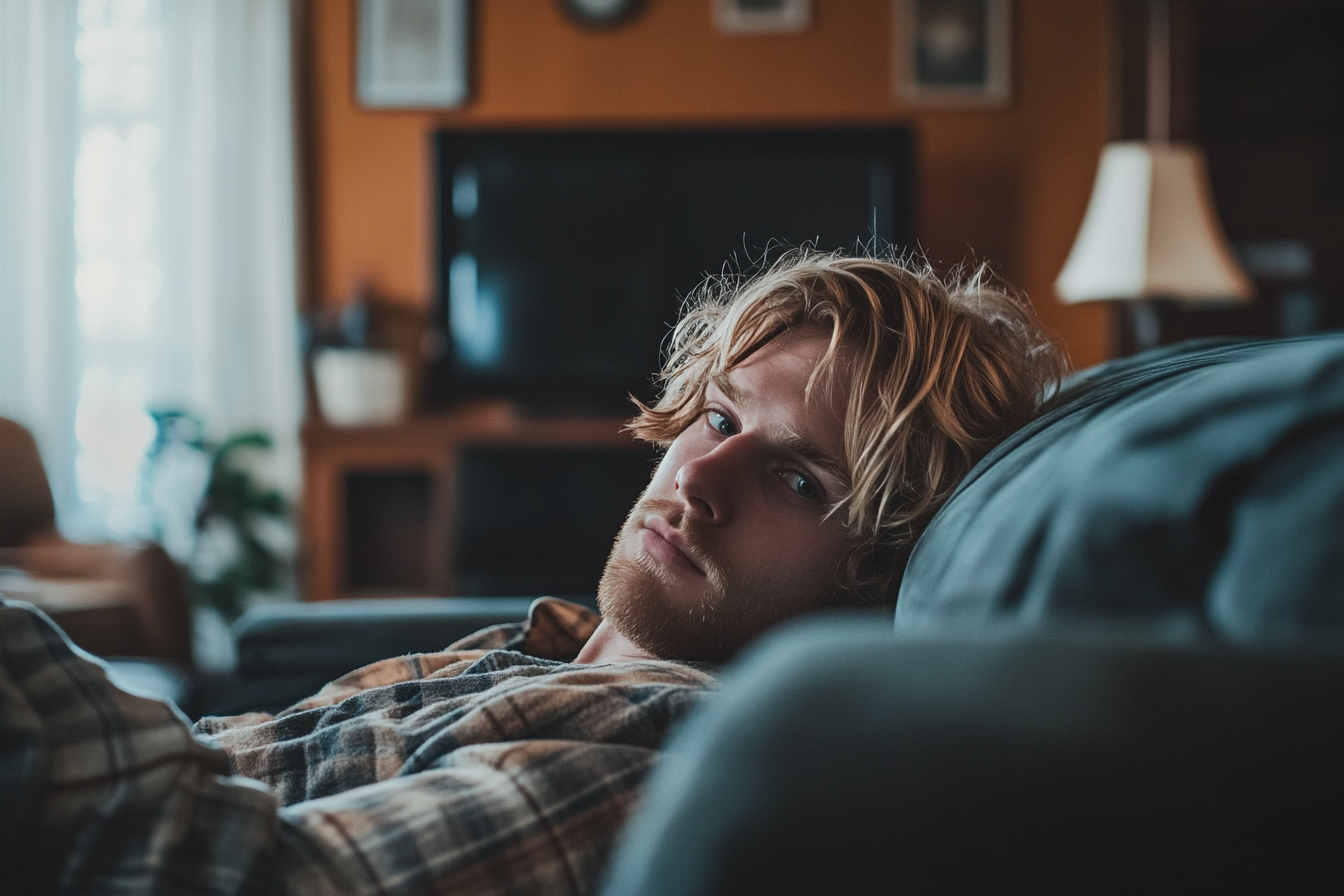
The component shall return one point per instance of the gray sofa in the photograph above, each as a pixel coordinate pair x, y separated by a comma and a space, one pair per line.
1117, 665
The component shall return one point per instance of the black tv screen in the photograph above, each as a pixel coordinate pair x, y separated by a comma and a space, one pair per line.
563, 258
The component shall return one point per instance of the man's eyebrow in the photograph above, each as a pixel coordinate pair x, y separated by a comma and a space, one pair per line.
725, 385
811, 453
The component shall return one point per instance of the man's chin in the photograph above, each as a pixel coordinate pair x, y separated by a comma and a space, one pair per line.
661, 615
647, 609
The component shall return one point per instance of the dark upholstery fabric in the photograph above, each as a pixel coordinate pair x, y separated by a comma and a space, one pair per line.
843, 758
332, 637
1203, 482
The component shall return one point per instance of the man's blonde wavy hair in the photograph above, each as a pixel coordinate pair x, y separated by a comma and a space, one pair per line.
942, 372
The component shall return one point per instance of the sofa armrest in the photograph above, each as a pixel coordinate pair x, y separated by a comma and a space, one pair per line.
111, 598
288, 651
333, 637
841, 758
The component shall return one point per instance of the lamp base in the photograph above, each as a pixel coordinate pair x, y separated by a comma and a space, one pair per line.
1145, 323
1139, 324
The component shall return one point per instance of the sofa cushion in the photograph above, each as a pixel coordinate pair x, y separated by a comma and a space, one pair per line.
1201, 483
842, 758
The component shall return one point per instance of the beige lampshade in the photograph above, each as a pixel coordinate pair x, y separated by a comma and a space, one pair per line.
1151, 232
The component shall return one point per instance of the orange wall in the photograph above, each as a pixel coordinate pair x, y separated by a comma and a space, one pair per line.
1005, 185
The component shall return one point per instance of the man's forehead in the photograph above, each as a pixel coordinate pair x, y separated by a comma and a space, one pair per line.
827, 382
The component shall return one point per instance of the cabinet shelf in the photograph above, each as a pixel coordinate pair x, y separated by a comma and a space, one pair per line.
380, 514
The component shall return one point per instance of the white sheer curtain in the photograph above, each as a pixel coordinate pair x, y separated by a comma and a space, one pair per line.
229, 247
154, 168
37, 331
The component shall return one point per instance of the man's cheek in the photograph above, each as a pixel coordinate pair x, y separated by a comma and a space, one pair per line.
660, 486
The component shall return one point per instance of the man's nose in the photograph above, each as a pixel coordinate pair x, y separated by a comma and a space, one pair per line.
708, 484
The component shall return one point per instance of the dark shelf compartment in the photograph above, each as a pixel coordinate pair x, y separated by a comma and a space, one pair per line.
387, 526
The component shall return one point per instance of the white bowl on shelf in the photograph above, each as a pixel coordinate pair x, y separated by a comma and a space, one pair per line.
358, 386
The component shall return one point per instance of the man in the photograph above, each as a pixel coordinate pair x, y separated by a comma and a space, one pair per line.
814, 418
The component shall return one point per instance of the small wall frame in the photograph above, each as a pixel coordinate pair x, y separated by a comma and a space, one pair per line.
413, 54
954, 53
762, 16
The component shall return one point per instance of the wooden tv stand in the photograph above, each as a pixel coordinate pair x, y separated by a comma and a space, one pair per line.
378, 511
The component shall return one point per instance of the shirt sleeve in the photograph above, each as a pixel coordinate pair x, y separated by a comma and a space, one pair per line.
536, 817
105, 791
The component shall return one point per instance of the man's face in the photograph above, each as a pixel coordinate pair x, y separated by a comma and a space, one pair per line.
731, 535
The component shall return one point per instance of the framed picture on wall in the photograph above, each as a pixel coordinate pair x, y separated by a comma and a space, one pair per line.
952, 52
413, 54
762, 16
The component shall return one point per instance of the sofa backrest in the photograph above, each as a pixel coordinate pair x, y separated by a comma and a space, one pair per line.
1201, 484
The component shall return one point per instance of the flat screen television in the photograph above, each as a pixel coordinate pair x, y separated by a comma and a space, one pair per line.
564, 258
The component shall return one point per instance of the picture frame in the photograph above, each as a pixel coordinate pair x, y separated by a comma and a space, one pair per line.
953, 53
762, 16
413, 54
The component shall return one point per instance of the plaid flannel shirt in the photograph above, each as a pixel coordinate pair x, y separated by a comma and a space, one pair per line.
492, 767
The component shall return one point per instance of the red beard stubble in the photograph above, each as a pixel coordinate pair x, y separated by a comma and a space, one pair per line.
662, 613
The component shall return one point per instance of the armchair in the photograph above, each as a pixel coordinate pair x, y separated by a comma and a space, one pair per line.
123, 599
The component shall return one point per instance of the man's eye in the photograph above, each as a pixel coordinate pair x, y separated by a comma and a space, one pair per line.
803, 486
721, 424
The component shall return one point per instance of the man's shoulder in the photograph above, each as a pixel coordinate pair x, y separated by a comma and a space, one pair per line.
542, 646
554, 629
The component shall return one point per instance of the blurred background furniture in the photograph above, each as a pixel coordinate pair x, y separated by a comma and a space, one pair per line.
126, 602
439, 504
114, 599
287, 651
1241, 86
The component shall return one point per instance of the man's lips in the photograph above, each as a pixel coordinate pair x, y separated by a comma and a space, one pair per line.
667, 544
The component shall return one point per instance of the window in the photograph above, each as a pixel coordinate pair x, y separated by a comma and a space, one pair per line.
118, 281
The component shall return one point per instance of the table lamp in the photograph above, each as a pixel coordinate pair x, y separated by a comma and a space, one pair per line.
1151, 232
